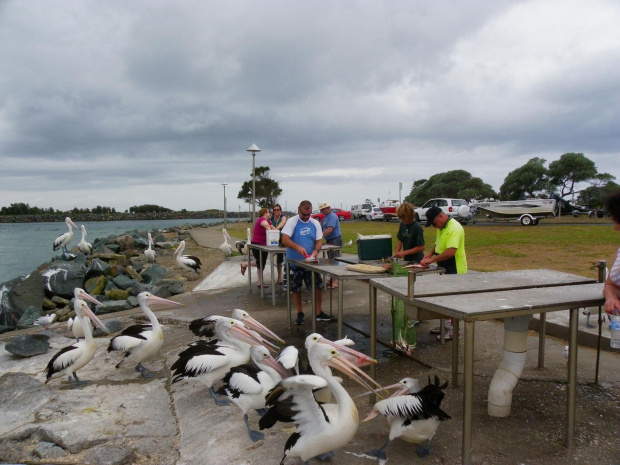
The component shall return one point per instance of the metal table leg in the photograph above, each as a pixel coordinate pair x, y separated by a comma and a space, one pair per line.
273, 286
313, 293
340, 307
372, 297
468, 389
288, 295
542, 340
572, 377
455, 352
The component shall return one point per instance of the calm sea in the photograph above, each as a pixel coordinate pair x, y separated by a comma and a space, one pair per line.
25, 246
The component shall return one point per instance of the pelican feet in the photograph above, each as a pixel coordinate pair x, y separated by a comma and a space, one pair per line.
424, 452
144, 372
255, 436
261, 411
379, 453
77, 384
218, 401
325, 456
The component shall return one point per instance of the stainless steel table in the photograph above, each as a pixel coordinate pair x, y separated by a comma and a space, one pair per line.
485, 296
272, 251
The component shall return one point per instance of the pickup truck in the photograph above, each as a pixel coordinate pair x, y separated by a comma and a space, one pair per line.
360, 211
454, 208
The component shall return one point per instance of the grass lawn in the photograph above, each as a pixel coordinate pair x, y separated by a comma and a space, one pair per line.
573, 246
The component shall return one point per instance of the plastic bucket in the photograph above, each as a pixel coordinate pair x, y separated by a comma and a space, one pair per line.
273, 237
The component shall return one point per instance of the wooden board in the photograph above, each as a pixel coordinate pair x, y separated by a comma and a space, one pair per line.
362, 268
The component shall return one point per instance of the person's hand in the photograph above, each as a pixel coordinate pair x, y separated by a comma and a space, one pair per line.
612, 306
398, 254
426, 261
315, 253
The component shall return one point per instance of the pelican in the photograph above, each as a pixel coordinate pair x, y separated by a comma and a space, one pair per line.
242, 246
320, 428
205, 327
85, 247
75, 325
413, 414
187, 262
149, 253
247, 385
210, 361
64, 239
70, 359
140, 342
45, 320
225, 247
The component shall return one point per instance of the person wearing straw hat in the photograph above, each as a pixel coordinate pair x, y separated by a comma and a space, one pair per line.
330, 224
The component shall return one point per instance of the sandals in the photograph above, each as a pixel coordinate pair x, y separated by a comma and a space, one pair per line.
264, 285
331, 285
244, 266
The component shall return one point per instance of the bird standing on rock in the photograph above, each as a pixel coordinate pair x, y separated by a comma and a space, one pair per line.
45, 320
85, 247
187, 262
64, 239
149, 253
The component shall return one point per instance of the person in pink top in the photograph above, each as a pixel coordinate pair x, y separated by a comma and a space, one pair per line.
263, 223
611, 291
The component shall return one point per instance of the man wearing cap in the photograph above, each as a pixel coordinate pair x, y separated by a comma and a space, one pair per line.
448, 251
331, 233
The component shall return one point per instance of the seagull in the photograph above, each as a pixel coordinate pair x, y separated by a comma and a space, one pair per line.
225, 247
349, 242
45, 320
64, 239
70, 359
141, 342
149, 253
413, 414
75, 325
85, 247
187, 262
247, 385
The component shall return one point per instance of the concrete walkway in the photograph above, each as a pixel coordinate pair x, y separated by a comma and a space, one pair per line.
120, 418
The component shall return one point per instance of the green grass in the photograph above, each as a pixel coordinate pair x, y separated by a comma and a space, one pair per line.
572, 248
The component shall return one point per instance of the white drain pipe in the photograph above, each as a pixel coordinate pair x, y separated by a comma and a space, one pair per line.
510, 368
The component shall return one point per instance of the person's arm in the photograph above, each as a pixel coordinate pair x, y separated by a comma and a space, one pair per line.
612, 300
404, 253
288, 242
427, 258
317, 247
282, 223
266, 224
328, 231
446, 254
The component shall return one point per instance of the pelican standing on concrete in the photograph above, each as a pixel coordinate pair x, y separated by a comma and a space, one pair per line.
149, 253
226, 248
75, 325
320, 428
413, 414
141, 342
64, 239
70, 359
210, 361
246, 385
187, 262
85, 247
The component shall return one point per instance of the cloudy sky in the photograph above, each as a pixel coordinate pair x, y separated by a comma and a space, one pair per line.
123, 102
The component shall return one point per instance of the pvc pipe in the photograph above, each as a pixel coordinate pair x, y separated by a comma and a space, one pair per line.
510, 368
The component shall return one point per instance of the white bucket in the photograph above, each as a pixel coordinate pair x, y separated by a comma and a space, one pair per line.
273, 237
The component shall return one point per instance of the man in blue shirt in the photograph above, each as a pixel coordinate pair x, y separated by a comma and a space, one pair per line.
331, 232
302, 237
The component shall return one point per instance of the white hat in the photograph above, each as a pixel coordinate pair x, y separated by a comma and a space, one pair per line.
324, 205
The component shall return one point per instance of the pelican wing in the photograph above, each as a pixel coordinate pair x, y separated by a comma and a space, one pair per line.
201, 358
243, 380
289, 358
63, 358
204, 327
131, 337
61, 239
410, 407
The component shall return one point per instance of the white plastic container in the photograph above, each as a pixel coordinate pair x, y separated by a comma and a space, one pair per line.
615, 332
273, 237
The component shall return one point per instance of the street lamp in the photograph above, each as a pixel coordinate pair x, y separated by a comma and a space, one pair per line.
225, 217
253, 148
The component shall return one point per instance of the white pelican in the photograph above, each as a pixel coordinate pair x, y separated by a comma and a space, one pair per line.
412, 413
149, 253
140, 342
70, 359
45, 320
320, 428
64, 239
187, 262
247, 385
75, 325
225, 247
210, 361
85, 247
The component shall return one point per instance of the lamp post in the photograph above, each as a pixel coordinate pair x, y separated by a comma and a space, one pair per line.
253, 148
225, 216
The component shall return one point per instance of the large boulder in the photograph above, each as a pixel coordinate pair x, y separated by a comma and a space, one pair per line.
19, 295
153, 274
112, 306
97, 268
26, 320
28, 345
125, 242
96, 285
63, 277
123, 281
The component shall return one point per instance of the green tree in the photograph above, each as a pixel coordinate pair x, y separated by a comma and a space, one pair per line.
147, 208
602, 185
267, 189
451, 184
569, 170
531, 178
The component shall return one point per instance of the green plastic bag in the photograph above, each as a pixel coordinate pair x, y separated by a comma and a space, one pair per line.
404, 333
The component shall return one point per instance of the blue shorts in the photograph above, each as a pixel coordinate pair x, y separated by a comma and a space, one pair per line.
299, 276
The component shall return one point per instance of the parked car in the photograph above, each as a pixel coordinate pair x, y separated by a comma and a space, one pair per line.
317, 215
341, 214
454, 208
360, 211
375, 215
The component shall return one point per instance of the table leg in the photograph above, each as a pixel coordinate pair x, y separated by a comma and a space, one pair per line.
288, 296
340, 307
273, 286
468, 389
249, 270
372, 298
541, 340
572, 377
262, 275
455, 352
313, 293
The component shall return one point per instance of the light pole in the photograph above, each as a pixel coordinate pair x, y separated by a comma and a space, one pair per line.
225, 216
253, 148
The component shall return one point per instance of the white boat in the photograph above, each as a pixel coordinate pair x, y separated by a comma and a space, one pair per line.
527, 211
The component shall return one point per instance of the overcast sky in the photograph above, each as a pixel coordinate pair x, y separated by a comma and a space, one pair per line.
123, 103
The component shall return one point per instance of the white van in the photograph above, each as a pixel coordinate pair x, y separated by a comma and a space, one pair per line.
360, 211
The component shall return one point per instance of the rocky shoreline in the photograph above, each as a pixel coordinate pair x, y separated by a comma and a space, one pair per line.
115, 273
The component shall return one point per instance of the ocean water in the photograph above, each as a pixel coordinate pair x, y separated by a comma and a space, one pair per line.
25, 246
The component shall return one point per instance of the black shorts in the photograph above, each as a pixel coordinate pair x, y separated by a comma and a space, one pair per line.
300, 275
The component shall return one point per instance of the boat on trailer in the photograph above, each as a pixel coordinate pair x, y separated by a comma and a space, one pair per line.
529, 211
389, 207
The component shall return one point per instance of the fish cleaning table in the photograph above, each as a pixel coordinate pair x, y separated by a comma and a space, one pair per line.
487, 296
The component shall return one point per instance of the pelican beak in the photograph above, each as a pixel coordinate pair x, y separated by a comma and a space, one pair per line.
401, 392
252, 338
262, 329
89, 313
90, 298
273, 363
370, 416
357, 358
73, 224
153, 299
348, 368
